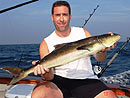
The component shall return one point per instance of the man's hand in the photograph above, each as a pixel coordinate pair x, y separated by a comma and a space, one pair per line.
39, 69
101, 56
46, 73
109, 48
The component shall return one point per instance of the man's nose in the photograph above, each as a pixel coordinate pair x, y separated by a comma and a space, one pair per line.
61, 18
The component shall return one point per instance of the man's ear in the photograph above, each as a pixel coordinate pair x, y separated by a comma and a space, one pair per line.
52, 17
70, 17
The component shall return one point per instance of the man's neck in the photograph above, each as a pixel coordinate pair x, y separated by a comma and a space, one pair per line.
64, 33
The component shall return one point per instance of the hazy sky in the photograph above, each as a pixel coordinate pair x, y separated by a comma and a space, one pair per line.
31, 23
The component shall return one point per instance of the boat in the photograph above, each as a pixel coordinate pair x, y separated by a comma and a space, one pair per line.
21, 89
24, 88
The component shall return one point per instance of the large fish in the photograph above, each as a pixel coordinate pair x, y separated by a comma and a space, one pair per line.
67, 52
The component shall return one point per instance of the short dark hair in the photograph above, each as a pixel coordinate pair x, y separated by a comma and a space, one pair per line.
60, 3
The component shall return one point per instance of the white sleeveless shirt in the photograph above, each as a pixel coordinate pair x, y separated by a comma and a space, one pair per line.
79, 69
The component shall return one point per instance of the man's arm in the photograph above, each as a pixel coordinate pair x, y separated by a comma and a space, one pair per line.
46, 73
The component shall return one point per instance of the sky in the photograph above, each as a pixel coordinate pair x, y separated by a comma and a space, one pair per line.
31, 23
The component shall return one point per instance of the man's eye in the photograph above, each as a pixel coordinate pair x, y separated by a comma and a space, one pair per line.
65, 14
57, 15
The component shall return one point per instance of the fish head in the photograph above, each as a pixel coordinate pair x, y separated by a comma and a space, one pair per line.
108, 39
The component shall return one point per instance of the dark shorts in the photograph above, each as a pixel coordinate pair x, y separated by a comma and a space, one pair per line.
79, 88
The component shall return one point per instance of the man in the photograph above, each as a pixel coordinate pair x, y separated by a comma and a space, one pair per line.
76, 78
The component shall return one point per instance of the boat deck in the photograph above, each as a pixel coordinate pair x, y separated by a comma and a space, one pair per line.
2, 93
3, 89
6, 80
122, 92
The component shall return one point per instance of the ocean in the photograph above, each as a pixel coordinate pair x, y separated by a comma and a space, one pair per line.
22, 55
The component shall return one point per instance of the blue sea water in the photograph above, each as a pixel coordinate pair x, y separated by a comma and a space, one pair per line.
22, 55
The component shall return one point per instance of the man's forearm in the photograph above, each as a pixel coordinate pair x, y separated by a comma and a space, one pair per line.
48, 75
101, 56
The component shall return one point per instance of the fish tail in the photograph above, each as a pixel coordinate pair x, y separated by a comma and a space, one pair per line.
15, 71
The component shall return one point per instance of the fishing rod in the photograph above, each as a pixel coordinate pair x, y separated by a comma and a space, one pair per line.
89, 16
96, 68
112, 59
16, 6
20, 59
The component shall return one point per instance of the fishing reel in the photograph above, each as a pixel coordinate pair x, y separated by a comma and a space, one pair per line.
97, 68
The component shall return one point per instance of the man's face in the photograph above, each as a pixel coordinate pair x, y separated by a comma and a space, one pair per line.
61, 18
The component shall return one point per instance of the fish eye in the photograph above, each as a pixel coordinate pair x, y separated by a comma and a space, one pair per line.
111, 34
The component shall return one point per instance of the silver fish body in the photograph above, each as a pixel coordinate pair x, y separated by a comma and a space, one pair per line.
67, 52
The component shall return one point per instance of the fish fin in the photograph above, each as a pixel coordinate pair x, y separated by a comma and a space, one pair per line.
59, 45
15, 71
85, 47
63, 44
